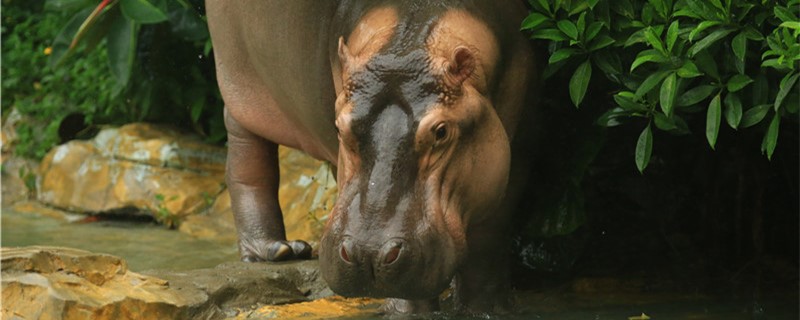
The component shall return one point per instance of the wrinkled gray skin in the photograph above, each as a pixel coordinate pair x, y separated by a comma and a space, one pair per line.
425, 176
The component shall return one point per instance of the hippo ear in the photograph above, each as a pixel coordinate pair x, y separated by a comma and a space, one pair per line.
344, 54
461, 66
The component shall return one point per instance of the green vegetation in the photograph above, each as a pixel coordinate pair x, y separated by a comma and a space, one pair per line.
112, 63
672, 62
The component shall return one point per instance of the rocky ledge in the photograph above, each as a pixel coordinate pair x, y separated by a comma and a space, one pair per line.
63, 283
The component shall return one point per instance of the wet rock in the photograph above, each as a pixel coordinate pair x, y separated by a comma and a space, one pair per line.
19, 178
141, 166
326, 308
307, 193
63, 283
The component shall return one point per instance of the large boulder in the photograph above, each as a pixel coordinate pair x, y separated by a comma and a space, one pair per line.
62, 283
180, 180
138, 166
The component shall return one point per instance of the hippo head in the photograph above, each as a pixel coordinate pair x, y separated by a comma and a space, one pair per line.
422, 156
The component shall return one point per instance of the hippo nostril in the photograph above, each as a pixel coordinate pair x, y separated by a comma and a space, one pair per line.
393, 252
343, 253
346, 250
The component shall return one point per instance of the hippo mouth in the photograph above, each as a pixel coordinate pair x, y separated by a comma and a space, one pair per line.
396, 268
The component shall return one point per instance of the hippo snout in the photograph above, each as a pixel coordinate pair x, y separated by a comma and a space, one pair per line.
381, 260
394, 267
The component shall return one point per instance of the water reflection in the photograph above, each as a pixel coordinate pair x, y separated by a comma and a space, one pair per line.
143, 245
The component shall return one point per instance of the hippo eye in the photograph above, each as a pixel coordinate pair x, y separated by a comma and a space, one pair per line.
440, 132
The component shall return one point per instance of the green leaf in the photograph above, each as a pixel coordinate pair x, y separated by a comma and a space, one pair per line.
702, 26
669, 89
673, 124
795, 25
650, 55
733, 110
739, 46
672, 34
601, 42
754, 115
654, 39
562, 54
644, 149
568, 28
753, 34
663, 122
625, 101
534, 20
61, 44
695, 95
737, 82
713, 118
581, 25
771, 137
702, 8
650, 82
784, 14
689, 70
549, 34
121, 39
580, 82
707, 64
187, 24
142, 11
708, 41
593, 29
787, 84
612, 118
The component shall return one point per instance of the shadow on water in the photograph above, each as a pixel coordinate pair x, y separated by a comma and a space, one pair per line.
143, 245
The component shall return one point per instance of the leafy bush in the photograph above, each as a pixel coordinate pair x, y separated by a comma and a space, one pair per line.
112, 63
45, 94
670, 60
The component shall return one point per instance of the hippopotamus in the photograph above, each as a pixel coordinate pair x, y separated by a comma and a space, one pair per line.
421, 107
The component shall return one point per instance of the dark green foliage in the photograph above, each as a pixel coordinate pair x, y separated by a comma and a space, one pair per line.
112, 63
668, 60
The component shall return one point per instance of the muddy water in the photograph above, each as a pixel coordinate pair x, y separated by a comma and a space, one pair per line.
147, 246
143, 245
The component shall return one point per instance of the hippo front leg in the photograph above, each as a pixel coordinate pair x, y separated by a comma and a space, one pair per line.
252, 175
482, 283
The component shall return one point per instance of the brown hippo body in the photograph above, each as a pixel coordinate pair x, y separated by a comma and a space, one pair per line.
418, 104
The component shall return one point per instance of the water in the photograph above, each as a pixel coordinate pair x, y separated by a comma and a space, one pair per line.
144, 246
147, 246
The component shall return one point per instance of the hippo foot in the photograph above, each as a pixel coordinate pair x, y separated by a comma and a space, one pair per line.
274, 250
401, 306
